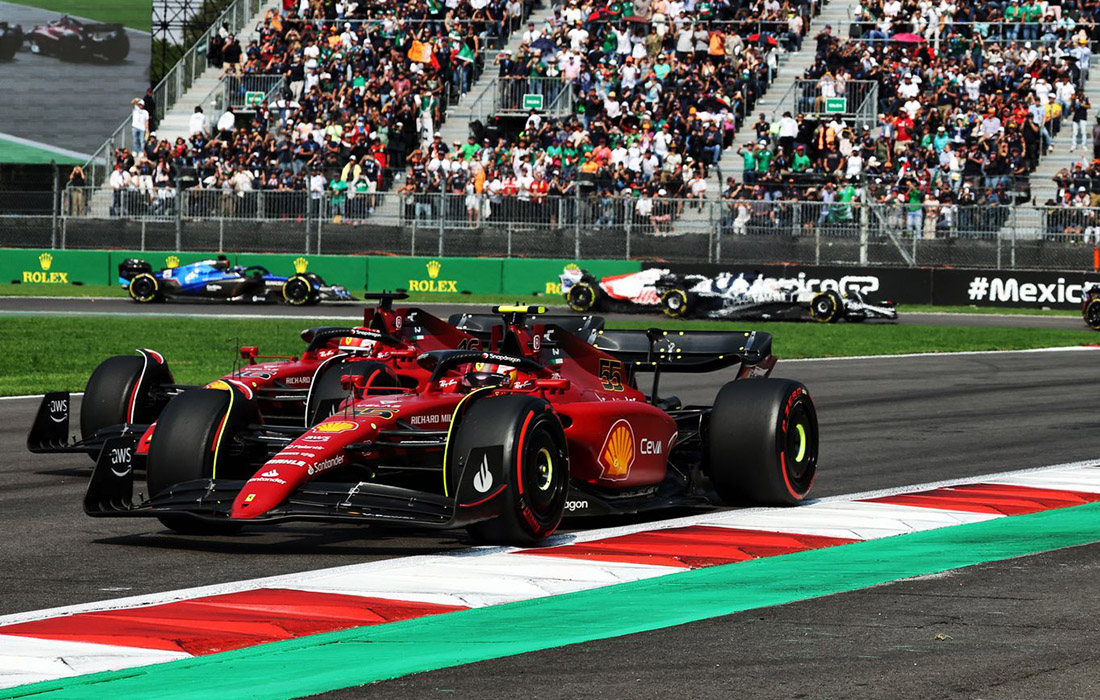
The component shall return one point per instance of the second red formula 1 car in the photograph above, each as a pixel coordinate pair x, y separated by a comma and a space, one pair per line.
495, 441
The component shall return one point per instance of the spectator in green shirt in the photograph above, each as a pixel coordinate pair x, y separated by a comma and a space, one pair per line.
470, 149
763, 158
339, 190
1032, 13
748, 163
914, 209
801, 162
1013, 14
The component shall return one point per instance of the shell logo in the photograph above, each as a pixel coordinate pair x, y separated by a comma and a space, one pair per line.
617, 455
434, 266
335, 427
172, 262
45, 260
300, 265
217, 384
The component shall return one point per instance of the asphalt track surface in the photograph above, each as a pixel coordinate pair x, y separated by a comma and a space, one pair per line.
1024, 628
63, 103
352, 310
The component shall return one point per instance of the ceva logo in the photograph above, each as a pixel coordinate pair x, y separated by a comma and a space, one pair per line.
433, 283
301, 265
43, 276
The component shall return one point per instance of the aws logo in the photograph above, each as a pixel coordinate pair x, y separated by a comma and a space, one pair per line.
433, 283
44, 276
172, 262
617, 454
300, 265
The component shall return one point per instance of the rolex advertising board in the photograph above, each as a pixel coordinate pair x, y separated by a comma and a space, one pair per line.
347, 270
53, 267
522, 276
435, 275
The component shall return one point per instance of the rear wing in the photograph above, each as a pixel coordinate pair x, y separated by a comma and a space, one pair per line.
686, 351
481, 325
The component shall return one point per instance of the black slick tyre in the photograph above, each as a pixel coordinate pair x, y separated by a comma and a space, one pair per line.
581, 297
674, 302
110, 390
192, 441
1092, 313
535, 462
839, 302
823, 307
762, 442
144, 288
298, 291
327, 392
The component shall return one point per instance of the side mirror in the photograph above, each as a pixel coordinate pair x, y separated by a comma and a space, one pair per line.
250, 352
552, 384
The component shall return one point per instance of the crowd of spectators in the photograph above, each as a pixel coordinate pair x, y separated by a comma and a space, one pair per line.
964, 116
656, 89
364, 83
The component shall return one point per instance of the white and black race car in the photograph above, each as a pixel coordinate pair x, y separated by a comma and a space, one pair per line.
724, 296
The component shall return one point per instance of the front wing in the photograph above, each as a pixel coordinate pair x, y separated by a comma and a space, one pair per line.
111, 494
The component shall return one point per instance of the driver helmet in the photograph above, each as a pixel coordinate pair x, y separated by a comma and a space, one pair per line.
484, 374
353, 344
222, 263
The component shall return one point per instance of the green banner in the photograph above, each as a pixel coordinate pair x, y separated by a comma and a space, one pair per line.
347, 270
435, 275
53, 267
521, 276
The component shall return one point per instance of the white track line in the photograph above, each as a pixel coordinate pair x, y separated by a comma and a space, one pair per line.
376, 575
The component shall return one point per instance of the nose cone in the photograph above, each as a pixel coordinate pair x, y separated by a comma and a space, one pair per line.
256, 499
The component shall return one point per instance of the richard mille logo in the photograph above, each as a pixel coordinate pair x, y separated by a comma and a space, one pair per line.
483, 480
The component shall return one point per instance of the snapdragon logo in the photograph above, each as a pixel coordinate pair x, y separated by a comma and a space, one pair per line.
1010, 289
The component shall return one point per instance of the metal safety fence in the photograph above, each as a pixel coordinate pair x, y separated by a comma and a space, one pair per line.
585, 225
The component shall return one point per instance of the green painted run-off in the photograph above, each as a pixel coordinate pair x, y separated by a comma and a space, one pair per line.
354, 657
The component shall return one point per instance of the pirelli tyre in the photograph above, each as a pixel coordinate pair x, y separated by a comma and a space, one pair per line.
534, 463
144, 288
582, 297
1092, 313
761, 443
119, 391
675, 303
194, 440
327, 390
298, 290
826, 307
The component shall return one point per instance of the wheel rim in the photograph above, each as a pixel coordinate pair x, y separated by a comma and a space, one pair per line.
1093, 314
799, 457
542, 482
580, 297
297, 291
142, 288
675, 302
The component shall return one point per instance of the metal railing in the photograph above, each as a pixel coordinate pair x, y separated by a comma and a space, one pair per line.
853, 101
552, 97
174, 84
582, 225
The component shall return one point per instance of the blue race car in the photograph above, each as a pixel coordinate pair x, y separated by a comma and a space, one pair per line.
217, 280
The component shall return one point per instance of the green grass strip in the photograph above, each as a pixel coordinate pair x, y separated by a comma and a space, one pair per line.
200, 350
327, 662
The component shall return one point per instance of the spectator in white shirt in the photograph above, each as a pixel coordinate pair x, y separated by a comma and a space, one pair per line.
197, 124
226, 123
139, 122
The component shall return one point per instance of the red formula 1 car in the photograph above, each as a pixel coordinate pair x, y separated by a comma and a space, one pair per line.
126, 394
495, 441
